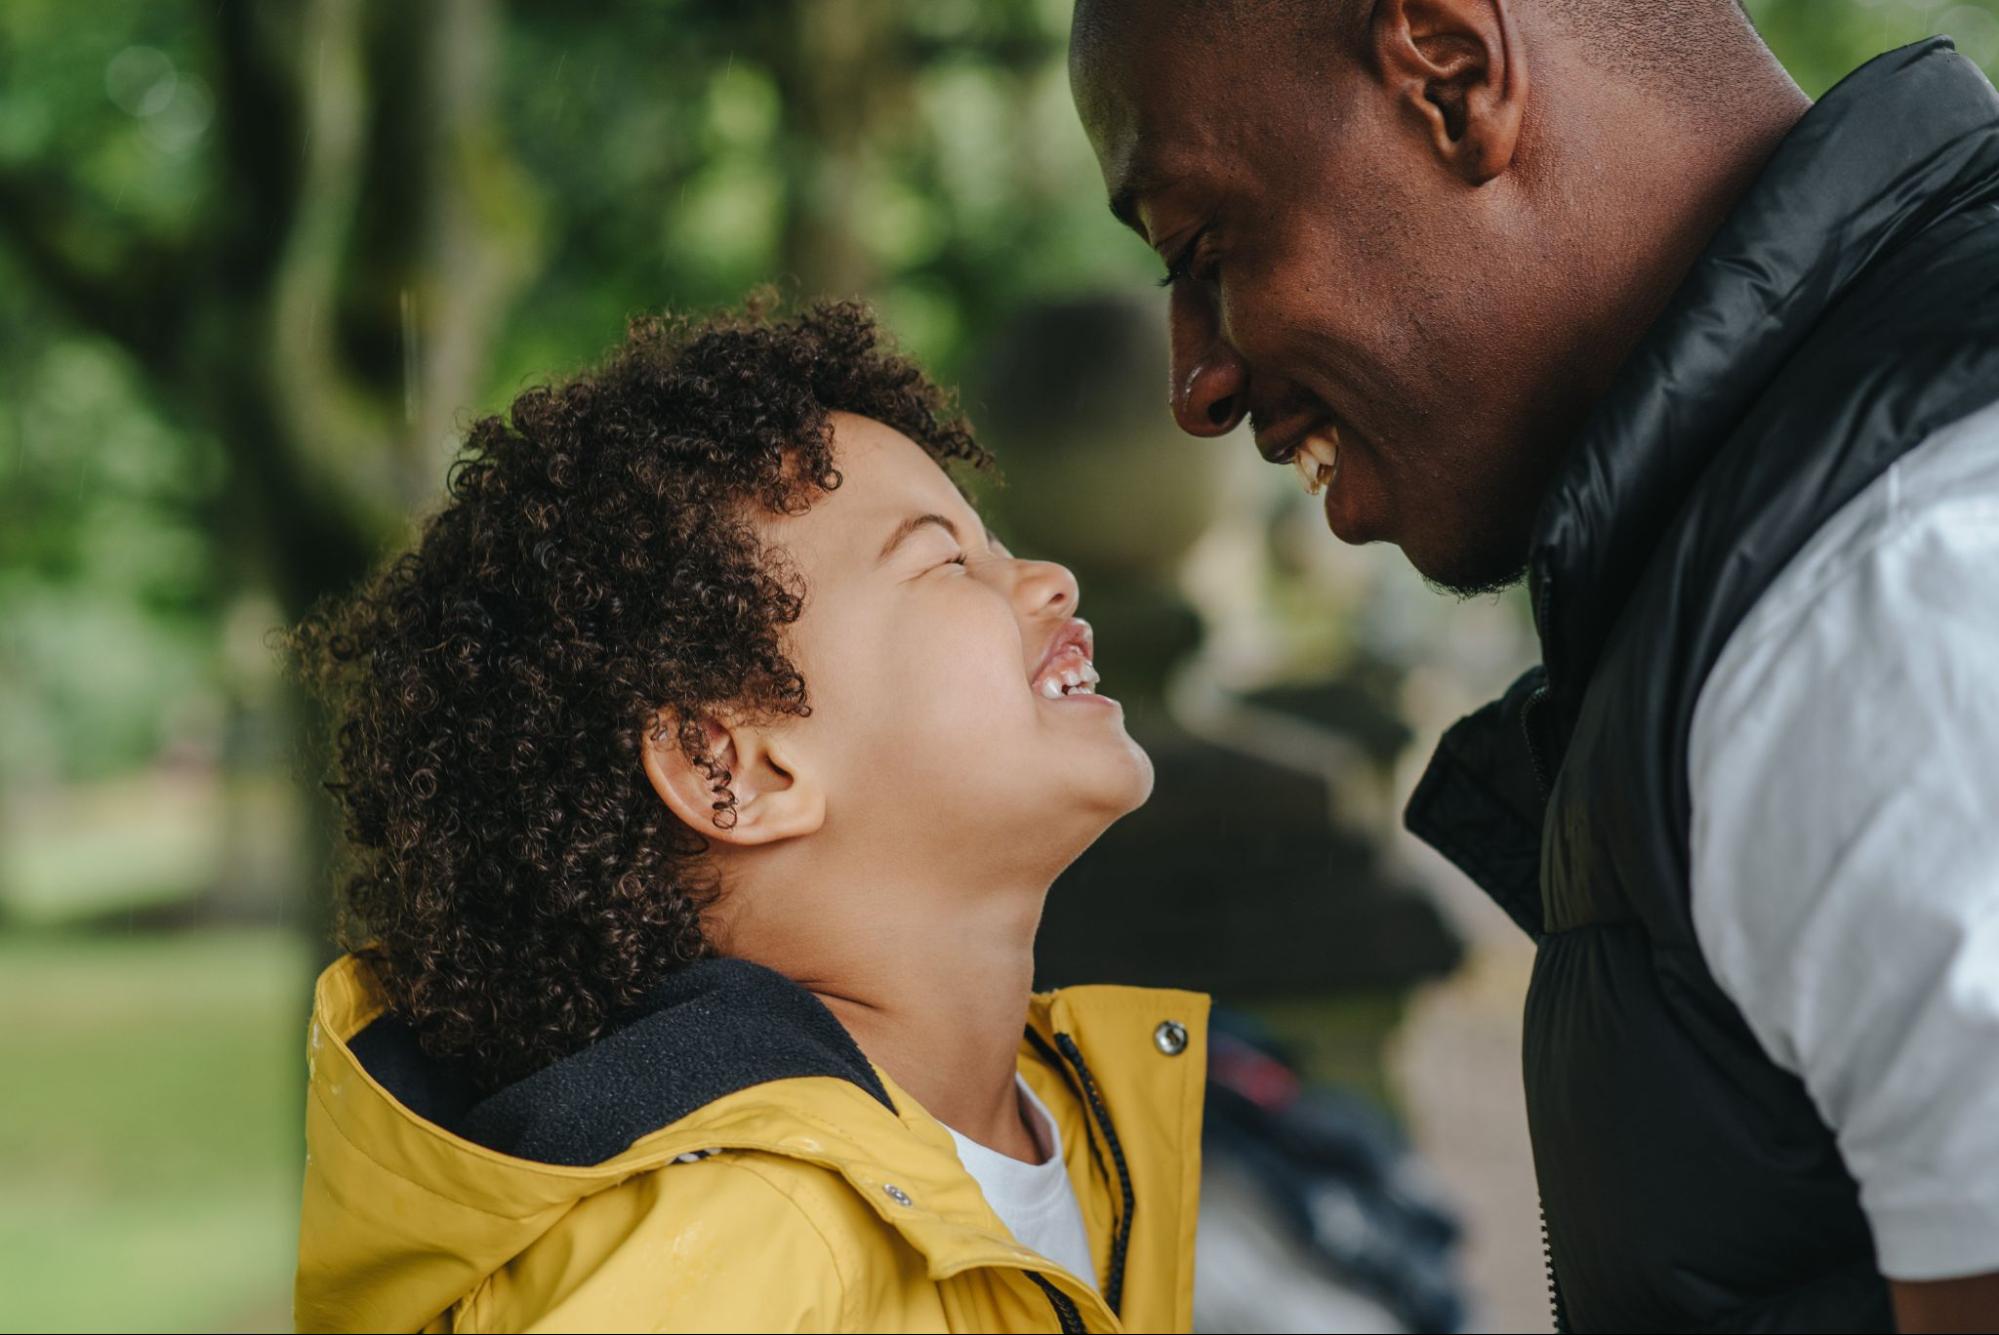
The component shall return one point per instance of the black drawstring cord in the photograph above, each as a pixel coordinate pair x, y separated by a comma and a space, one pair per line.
1056, 1060
1121, 1238
1066, 1315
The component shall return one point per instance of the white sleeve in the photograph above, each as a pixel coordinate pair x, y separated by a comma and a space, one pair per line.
1844, 768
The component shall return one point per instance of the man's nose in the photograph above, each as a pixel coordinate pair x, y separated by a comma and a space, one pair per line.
1210, 381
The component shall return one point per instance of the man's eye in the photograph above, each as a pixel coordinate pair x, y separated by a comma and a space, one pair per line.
1191, 262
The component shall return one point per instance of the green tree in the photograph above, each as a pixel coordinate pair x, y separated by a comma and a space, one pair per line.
318, 289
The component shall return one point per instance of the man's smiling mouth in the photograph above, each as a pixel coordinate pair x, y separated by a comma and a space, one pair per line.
1317, 459
1311, 445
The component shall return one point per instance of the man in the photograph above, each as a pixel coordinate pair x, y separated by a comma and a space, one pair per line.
1588, 290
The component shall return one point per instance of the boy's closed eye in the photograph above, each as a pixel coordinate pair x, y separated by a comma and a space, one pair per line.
935, 533
916, 525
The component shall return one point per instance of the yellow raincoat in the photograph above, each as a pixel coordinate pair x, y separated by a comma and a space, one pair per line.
795, 1204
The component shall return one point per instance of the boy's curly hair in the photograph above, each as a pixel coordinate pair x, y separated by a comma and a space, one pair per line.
515, 881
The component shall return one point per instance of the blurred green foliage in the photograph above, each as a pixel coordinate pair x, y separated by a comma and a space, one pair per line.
1821, 41
659, 154
656, 154
260, 261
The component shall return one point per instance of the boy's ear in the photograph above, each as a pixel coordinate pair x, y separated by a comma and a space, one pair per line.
774, 799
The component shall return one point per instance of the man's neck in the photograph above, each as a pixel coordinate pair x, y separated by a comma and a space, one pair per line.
1627, 238
1697, 182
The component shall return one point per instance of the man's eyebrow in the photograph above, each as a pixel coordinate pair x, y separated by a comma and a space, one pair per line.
1142, 179
1124, 207
911, 525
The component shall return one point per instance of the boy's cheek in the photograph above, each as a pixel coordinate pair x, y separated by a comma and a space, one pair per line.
936, 724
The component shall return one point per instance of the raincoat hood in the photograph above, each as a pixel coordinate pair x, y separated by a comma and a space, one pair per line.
427, 1206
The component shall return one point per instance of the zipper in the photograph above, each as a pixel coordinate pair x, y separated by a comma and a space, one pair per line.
1067, 1319
1542, 586
1534, 701
1556, 1306
1557, 1309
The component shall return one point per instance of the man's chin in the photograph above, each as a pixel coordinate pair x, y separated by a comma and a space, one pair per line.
1471, 571
1466, 590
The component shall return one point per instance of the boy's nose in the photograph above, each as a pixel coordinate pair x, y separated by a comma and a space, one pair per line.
1047, 589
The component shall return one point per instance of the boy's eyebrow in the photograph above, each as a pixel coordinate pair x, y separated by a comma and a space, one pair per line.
911, 525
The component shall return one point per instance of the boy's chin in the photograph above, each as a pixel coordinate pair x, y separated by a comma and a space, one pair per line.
1141, 790
1125, 786
1077, 797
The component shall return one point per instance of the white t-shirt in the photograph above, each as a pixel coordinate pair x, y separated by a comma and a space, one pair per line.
1844, 768
1036, 1201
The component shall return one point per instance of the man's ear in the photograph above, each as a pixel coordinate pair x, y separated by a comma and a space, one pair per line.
1458, 65
743, 788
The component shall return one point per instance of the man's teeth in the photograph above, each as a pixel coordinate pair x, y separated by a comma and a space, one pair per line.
1318, 460
1070, 681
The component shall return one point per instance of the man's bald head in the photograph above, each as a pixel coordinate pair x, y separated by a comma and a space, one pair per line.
1426, 230
1692, 51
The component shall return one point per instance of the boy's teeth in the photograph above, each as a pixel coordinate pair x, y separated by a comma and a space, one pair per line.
1317, 460
1079, 680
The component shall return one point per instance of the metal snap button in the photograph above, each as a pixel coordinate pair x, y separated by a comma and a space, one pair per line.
1170, 1038
897, 1194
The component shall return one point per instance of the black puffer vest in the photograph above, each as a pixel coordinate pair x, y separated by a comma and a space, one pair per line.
1847, 309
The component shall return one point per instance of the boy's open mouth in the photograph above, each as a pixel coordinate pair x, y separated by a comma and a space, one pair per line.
1065, 667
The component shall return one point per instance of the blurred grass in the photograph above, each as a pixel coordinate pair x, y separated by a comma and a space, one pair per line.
149, 1136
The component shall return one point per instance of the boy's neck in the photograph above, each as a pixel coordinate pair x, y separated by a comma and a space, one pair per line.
943, 1015
931, 978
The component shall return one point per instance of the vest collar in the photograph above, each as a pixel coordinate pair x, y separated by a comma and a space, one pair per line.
1906, 139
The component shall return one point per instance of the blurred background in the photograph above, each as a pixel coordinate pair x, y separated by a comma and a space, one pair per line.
260, 263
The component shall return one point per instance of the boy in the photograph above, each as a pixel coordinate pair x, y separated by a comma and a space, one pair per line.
705, 766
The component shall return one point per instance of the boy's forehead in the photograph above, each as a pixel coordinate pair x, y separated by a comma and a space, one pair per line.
885, 479
884, 474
